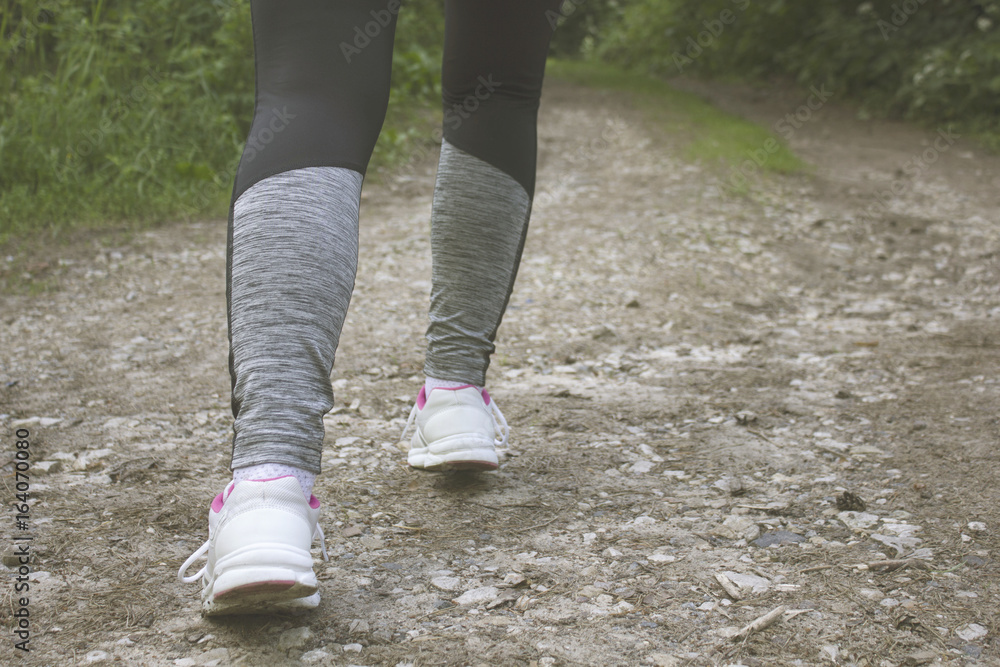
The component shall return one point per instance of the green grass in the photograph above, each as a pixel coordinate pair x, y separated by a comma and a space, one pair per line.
708, 135
121, 116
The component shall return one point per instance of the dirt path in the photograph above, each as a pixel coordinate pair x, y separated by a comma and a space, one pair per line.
690, 376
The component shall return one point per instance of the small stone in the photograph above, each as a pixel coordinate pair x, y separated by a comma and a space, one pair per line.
216, 656
848, 502
662, 660
753, 582
359, 626
351, 531
977, 527
622, 608
446, 583
95, 658
641, 467
920, 658
352, 648
47, 467
858, 521
294, 638
611, 552
971, 632
185, 662
871, 593
314, 656
661, 558
830, 652
546, 661
514, 579
478, 595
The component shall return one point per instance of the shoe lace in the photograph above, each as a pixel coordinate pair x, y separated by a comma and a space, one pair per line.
203, 549
409, 422
500, 423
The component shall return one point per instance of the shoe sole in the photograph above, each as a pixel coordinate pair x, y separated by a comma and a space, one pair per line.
248, 606
460, 456
260, 578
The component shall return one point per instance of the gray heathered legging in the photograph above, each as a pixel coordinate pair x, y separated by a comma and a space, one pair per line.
292, 251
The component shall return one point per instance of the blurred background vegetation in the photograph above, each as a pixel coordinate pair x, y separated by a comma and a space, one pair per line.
134, 112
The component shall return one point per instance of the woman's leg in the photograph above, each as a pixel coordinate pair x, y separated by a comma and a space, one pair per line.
322, 86
494, 63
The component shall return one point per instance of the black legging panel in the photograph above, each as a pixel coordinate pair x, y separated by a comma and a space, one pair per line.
323, 70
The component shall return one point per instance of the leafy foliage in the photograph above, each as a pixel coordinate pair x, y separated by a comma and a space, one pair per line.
934, 60
117, 110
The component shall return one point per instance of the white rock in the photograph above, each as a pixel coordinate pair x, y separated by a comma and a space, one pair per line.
663, 659
971, 632
48, 421
611, 552
95, 658
641, 467
871, 593
858, 521
478, 595
622, 608
352, 648
214, 657
830, 652
661, 558
753, 582
47, 467
977, 526
514, 579
588, 538
314, 656
184, 662
294, 638
446, 583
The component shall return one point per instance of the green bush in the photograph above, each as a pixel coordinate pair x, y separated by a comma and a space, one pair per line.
123, 111
934, 60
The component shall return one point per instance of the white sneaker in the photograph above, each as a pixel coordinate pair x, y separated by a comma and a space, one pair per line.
259, 535
456, 429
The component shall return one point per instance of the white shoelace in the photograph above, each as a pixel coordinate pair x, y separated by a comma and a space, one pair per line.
502, 431
203, 549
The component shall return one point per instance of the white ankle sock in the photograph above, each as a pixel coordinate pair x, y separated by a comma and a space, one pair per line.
433, 383
264, 471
